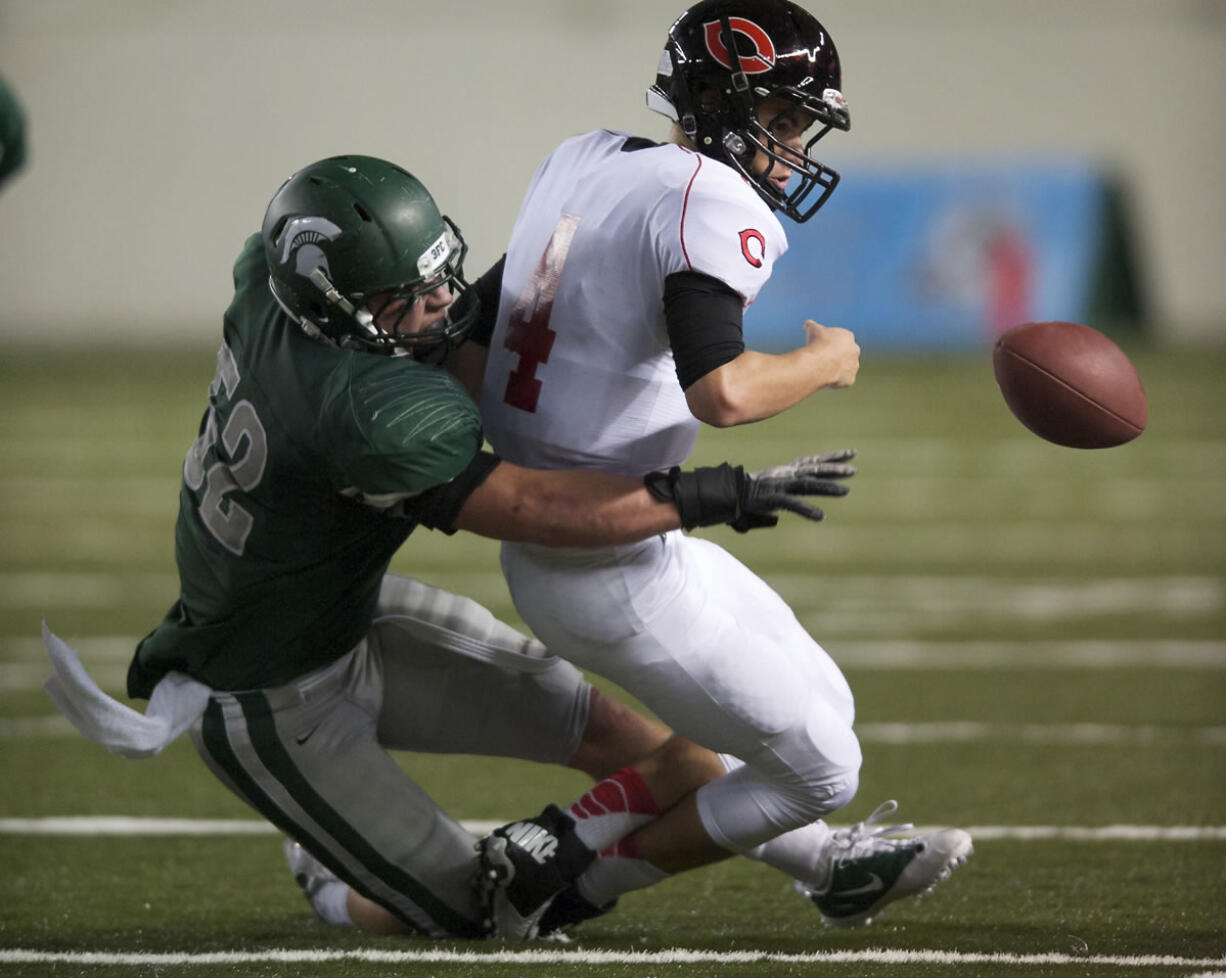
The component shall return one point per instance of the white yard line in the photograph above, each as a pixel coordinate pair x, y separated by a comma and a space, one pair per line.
536, 957
868, 604
1108, 734
23, 661
122, 825
1103, 833
1087, 654
52, 725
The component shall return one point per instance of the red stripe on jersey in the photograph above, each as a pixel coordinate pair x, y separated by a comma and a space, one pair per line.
684, 205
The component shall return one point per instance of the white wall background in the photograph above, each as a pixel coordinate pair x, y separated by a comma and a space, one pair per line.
159, 128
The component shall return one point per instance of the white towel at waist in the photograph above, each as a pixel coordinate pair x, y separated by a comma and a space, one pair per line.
177, 702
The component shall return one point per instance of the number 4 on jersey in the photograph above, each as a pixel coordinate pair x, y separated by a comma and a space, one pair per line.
528, 333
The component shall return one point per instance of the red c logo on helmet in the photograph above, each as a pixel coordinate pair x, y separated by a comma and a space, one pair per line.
763, 57
755, 254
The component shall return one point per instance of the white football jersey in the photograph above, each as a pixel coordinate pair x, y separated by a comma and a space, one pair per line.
580, 372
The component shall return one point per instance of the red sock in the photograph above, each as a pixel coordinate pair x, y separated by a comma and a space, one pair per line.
613, 809
627, 848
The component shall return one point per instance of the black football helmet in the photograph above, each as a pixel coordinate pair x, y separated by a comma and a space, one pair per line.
349, 227
780, 50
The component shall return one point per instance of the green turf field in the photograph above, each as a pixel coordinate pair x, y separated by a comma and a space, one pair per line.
1036, 637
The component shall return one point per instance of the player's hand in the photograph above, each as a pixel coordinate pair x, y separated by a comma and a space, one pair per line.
784, 487
838, 349
747, 501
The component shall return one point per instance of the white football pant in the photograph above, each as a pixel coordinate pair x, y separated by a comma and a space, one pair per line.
708, 646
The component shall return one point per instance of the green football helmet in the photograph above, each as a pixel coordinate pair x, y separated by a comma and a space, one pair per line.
346, 228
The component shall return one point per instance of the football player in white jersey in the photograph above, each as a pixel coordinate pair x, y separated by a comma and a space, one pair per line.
294, 659
619, 331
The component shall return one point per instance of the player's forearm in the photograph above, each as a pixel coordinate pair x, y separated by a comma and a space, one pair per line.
757, 385
564, 508
467, 365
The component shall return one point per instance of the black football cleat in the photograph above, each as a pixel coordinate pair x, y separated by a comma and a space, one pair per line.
524, 865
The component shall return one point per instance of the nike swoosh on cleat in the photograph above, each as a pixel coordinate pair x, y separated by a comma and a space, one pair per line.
874, 885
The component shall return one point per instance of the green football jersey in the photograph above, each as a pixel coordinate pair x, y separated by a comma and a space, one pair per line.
285, 528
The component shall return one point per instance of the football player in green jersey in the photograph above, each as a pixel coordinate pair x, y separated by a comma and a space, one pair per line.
292, 655
12, 133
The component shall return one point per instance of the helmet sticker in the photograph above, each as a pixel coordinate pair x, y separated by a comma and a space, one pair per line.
303, 231
761, 60
436, 256
753, 246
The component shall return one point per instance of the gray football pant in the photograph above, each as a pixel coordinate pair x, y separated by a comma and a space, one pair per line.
436, 673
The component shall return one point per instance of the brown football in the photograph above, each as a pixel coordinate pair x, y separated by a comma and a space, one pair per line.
1070, 384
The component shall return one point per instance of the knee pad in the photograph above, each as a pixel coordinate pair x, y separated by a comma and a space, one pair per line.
745, 808
802, 801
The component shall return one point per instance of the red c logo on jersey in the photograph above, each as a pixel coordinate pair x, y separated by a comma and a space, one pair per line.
753, 254
763, 57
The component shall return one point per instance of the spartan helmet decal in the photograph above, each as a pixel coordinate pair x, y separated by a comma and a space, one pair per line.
300, 238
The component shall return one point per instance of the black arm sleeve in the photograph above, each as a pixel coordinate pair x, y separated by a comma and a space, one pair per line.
437, 508
704, 323
486, 290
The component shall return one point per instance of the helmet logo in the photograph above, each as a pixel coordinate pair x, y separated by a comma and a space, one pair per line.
761, 60
301, 237
753, 246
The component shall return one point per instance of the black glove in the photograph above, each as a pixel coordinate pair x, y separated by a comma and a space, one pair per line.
746, 501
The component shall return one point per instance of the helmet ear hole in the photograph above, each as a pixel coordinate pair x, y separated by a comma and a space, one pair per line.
708, 98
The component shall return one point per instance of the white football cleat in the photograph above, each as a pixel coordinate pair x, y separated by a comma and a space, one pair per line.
309, 873
870, 870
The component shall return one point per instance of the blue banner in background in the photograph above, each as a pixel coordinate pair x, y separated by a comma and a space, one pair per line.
937, 257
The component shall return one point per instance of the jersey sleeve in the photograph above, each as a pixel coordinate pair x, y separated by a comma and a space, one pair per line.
725, 231
703, 316
407, 428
